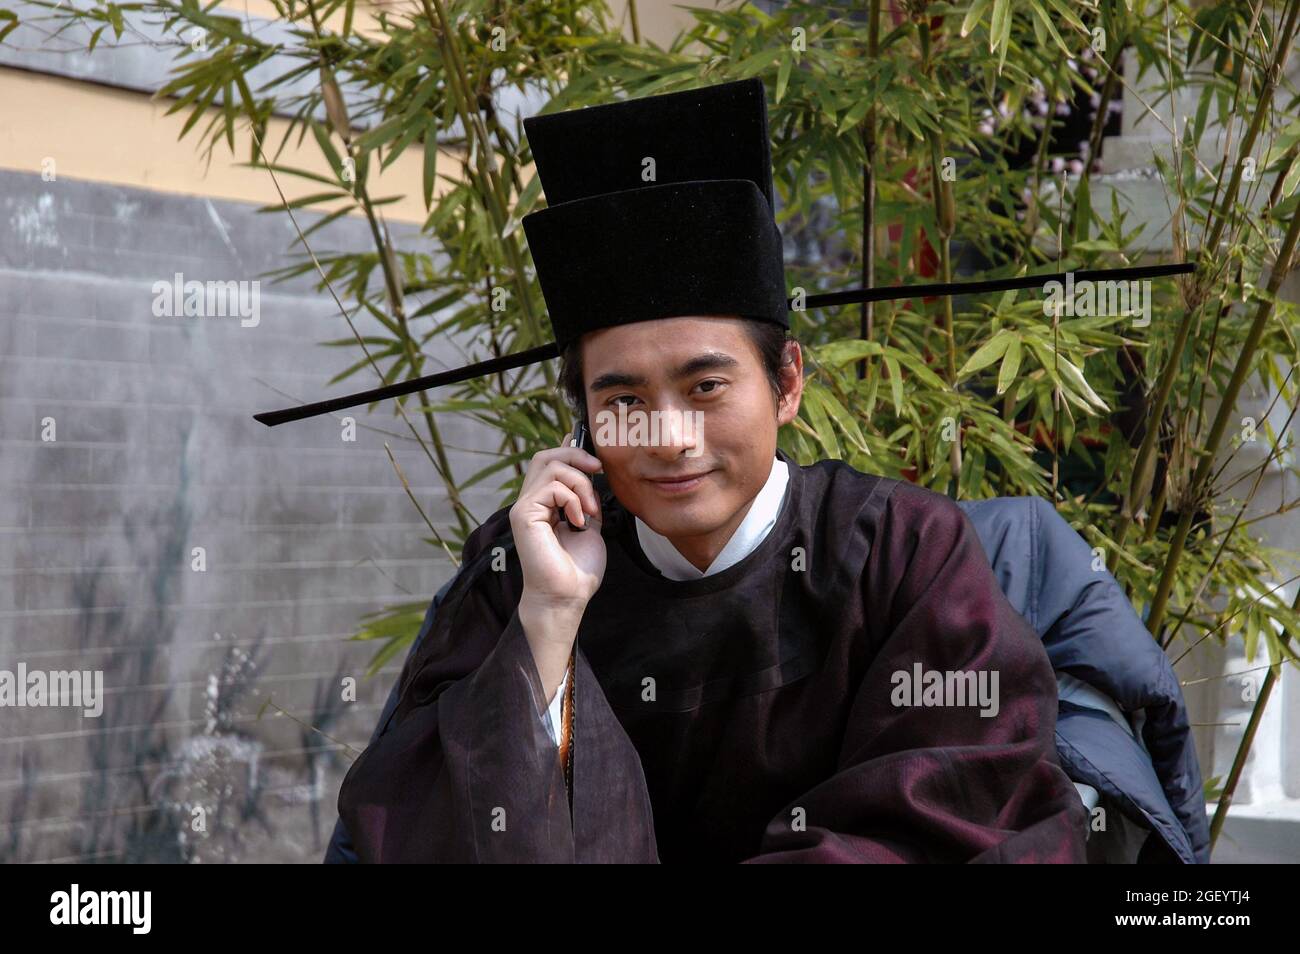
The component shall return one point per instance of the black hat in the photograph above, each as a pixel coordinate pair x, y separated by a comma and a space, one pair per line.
661, 207
657, 207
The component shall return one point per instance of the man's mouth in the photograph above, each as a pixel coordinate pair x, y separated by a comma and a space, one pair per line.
679, 483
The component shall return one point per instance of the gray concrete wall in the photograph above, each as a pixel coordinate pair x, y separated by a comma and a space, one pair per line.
155, 453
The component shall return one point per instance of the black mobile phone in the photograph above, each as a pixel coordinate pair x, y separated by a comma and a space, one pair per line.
581, 438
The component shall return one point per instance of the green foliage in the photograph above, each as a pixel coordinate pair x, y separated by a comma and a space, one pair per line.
974, 398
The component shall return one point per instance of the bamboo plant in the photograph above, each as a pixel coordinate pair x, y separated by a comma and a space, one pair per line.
896, 130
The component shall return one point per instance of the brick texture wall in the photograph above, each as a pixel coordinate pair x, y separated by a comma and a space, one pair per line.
154, 454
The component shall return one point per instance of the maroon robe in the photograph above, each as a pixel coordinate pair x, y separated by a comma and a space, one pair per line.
752, 715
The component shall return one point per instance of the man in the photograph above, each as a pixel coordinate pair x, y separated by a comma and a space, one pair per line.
724, 656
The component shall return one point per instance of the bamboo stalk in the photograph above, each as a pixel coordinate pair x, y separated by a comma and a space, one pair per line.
1040, 164
1144, 461
945, 215
337, 113
866, 325
325, 280
1108, 90
1223, 545
387, 256
1245, 361
1247, 740
636, 24
494, 197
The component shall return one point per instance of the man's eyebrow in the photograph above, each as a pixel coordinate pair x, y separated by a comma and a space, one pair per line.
709, 361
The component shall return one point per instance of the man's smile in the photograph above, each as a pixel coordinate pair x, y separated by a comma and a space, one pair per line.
679, 483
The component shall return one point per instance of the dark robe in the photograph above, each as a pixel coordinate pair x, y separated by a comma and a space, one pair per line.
752, 715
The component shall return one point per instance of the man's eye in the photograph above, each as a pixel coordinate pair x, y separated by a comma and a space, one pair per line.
710, 386
619, 398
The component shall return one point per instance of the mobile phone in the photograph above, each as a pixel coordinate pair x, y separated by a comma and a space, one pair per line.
581, 438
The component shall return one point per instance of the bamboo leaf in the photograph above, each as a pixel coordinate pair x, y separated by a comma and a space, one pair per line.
989, 352
1074, 375
783, 75
842, 417
327, 149
814, 404
895, 383
1001, 20
430, 161
1041, 16
973, 16
839, 353
1010, 365
305, 200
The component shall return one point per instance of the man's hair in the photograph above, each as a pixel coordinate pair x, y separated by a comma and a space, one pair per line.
768, 337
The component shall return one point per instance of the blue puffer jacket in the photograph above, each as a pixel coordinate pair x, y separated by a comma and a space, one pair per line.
1101, 652
1139, 762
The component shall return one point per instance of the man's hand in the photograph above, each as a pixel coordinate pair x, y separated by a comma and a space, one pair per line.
562, 568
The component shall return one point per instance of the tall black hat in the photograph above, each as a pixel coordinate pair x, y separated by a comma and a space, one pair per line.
657, 207
660, 207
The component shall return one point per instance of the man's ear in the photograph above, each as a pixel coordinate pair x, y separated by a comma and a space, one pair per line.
791, 375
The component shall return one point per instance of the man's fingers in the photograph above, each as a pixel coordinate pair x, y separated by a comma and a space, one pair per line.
560, 495
559, 477
574, 456
574, 479
540, 504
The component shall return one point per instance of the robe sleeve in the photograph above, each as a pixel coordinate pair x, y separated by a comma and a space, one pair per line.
468, 769
938, 783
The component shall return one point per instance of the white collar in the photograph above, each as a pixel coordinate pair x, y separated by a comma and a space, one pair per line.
758, 522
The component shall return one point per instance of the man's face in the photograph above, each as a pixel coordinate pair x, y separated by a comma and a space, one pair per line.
706, 370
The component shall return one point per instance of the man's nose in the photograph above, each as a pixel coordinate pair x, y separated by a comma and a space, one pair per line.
678, 434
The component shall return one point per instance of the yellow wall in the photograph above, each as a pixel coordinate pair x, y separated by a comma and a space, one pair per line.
124, 137
102, 134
